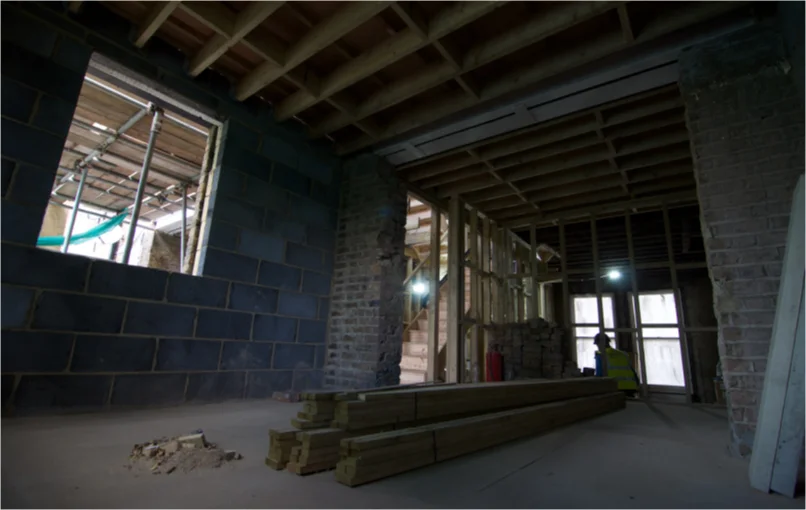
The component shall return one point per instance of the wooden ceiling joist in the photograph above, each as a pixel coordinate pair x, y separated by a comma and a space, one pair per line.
632, 148
558, 61
510, 41
244, 22
418, 34
160, 11
362, 72
322, 35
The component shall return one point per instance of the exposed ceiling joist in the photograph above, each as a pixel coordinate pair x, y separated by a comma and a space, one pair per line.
244, 22
482, 53
325, 33
160, 11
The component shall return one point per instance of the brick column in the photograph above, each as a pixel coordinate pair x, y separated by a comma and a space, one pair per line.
746, 123
366, 320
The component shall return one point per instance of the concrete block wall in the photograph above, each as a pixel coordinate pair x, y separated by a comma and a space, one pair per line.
366, 332
745, 118
78, 333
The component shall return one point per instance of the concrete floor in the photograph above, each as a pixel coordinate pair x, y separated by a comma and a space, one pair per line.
647, 456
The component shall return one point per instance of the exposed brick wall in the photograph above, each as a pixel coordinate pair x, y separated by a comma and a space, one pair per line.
92, 334
367, 310
746, 123
531, 350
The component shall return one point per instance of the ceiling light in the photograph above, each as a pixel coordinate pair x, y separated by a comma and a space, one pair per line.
99, 126
614, 274
419, 288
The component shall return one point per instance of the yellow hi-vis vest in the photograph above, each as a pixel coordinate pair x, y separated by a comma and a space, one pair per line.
618, 367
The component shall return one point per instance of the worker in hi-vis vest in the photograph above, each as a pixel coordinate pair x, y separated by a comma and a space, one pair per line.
618, 365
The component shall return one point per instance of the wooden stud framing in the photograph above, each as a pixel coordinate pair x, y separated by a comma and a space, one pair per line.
635, 303
432, 366
456, 292
407, 311
677, 303
519, 292
473, 239
566, 296
597, 279
533, 263
486, 291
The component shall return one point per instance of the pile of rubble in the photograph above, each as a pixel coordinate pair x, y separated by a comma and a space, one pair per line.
183, 453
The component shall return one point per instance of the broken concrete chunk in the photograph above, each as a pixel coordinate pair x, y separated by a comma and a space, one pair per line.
171, 447
232, 455
192, 441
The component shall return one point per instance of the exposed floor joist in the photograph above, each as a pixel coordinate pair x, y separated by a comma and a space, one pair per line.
624, 154
363, 72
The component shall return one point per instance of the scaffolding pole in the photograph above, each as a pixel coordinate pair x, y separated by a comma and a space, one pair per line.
69, 234
183, 234
141, 186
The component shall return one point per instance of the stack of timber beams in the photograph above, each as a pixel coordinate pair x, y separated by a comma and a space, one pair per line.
317, 412
429, 420
446, 403
372, 457
310, 445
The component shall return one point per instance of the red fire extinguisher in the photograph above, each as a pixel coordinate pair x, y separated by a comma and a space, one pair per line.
495, 366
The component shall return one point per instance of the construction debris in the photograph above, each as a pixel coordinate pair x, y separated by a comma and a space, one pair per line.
183, 453
286, 396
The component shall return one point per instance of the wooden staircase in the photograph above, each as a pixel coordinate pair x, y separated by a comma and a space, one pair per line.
414, 360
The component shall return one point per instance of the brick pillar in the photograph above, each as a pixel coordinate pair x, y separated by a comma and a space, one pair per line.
746, 123
366, 328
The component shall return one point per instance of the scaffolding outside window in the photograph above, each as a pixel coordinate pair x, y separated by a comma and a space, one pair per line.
125, 156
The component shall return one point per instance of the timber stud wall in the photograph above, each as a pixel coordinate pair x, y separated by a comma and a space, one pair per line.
366, 337
92, 334
746, 123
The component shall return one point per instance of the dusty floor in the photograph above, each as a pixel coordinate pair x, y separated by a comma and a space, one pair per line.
658, 456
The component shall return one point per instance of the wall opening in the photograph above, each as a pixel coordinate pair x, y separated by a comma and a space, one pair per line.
117, 135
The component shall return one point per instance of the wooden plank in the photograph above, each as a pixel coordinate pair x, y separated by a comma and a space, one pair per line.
456, 291
473, 239
572, 355
245, 21
639, 336
677, 304
457, 437
626, 25
325, 33
432, 367
160, 11
534, 311
778, 441
597, 278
